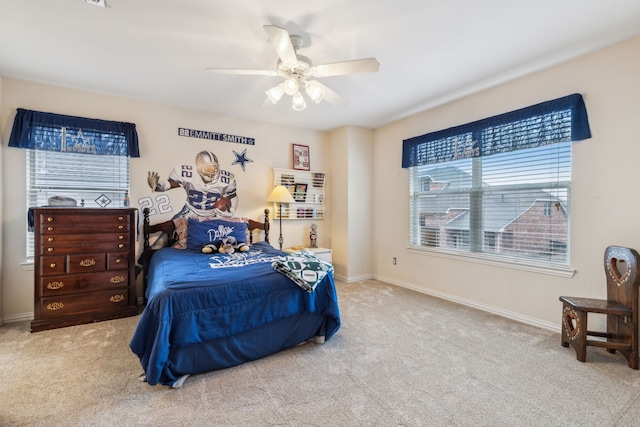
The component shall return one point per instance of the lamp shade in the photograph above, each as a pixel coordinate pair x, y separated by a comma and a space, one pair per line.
280, 194
275, 93
291, 86
298, 103
316, 93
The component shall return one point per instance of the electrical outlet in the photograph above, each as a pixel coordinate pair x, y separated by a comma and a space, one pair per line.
394, 260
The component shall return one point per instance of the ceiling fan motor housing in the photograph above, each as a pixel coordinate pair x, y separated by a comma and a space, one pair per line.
294, 74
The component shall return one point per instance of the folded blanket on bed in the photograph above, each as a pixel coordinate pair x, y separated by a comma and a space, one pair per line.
303, 268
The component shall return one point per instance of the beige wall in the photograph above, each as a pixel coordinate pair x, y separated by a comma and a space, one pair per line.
161, 149
360, 202
604, 205
352, 198
339, 196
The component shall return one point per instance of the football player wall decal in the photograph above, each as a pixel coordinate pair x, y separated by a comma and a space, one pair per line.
210, 190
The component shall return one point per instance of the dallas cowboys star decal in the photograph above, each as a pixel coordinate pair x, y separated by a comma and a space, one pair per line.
241, 158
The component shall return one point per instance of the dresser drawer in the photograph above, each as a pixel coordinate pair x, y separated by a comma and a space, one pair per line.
50, 265
113, 243
73, 223
83, 303
88, 228
72, 283
86, 263
117, 260
87, 238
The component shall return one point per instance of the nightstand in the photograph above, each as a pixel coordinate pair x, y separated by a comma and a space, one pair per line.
323, 253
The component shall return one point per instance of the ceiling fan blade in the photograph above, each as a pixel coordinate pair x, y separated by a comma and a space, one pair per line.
367, 65
328, 95
242, 72
282, 43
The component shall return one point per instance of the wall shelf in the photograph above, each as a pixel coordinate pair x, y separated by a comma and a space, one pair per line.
307, 187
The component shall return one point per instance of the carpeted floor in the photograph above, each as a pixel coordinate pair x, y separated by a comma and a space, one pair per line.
400, 359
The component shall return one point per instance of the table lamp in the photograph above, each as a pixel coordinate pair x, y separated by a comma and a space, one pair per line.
280, 195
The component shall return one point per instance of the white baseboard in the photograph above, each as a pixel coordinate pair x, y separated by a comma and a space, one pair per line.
494, 310
351, 279
17, 318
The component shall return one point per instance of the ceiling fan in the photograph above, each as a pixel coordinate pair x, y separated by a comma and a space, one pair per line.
298, 71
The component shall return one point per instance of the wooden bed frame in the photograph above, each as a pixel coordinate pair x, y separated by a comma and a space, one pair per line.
168, 227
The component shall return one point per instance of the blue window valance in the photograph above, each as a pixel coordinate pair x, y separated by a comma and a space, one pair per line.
36, 130
559, 120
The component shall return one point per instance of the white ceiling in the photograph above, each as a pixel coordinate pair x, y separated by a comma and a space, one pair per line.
430, 51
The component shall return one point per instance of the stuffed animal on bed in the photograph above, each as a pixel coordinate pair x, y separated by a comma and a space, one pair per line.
208, 248
230, 244
227, 245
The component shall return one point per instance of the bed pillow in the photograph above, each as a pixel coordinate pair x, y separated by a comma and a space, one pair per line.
181, 228
213, 231
180, 233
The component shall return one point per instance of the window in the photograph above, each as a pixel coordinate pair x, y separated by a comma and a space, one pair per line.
77, 158
95, 181
504, 184
514, 204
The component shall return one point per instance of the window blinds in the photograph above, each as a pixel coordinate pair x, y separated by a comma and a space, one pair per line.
500, 186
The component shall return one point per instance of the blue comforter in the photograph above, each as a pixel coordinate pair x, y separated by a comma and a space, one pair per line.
204, 306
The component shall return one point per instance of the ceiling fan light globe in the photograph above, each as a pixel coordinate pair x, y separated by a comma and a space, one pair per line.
315, 93
291, 86
298, 103
275, 93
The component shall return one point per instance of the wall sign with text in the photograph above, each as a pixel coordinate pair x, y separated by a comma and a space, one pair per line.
215, 136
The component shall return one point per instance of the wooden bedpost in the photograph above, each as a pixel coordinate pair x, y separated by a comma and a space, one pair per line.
260, 226
145, 232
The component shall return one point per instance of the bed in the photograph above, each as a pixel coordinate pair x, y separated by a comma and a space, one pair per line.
212, 311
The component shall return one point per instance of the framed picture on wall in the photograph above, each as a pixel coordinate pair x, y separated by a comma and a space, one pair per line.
301, 159
300, 193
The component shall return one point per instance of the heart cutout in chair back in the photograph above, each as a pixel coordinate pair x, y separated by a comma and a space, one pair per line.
619, 269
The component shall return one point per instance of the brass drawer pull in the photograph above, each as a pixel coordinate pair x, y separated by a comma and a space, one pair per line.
120, 237
117, 279
55, 306
49, 249
118, 261
120, 227
87, 262
50, 219
120, 218
52, 265
49, 228
55, 285
50, 239
121, 246
117, 298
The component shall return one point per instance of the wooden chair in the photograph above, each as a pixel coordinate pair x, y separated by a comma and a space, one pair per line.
621, 308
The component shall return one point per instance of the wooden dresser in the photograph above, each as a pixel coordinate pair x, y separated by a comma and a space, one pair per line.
84, 265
